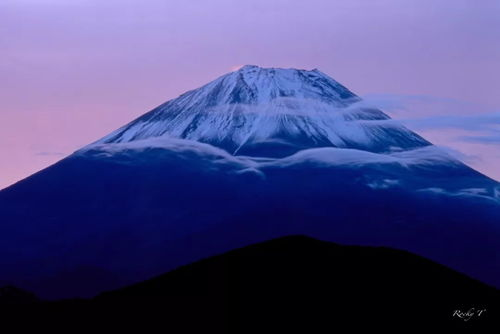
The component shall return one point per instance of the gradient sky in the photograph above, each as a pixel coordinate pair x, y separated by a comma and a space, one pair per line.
73, 70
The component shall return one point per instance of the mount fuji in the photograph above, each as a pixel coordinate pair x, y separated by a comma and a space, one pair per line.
256, 154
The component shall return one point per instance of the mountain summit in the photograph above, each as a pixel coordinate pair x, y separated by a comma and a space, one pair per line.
271, 112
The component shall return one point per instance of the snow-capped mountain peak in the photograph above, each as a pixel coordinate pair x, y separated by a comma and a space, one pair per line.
271, 112
255, 85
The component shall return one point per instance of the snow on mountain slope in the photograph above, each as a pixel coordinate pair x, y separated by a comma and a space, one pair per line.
271, 112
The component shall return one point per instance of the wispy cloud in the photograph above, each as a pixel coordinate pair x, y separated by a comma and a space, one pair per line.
428, 113
478, 122
492, 140
50, 153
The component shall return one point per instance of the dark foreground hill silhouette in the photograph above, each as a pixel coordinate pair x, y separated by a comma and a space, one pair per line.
285, 284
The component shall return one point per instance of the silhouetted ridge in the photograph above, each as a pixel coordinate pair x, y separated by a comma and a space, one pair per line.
294, 282
309, 256
11, 295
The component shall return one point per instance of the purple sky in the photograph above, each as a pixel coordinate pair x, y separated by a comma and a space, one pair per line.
74, 70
